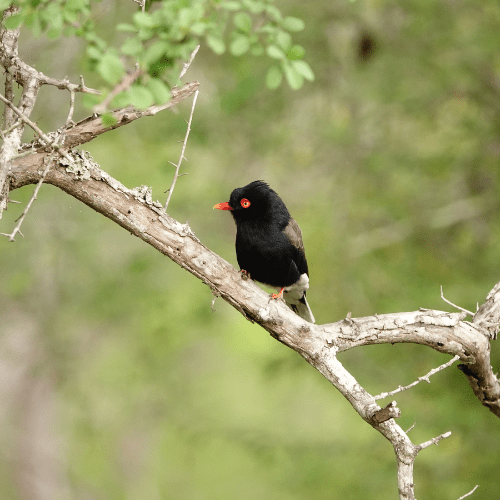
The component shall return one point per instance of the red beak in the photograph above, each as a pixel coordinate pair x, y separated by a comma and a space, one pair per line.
223, 206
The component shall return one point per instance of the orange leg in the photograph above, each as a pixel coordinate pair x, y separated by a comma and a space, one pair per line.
278, 295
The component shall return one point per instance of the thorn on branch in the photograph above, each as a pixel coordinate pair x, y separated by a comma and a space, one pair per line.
455, 306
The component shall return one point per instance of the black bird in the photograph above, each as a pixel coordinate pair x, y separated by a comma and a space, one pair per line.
269, 245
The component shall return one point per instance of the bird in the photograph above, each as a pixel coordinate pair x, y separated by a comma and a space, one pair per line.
269, 246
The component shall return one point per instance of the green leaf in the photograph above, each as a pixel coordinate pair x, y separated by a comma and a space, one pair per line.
216, 44
284, 40
255, 7
140, 97
4, 4
292, 24
126, 27
108, 120
274, 13
296, 52
13, 22
159, 90
132, 46
90, 100
274, 52
121, 100
110, 68
243, 22
274, 77
155, 52
93, 52
143, 20
198, 28
54, 32
293, 77
239, 45
75, 4
303, 69
230, 5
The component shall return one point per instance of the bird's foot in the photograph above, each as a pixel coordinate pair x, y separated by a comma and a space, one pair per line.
245, 275
277, 296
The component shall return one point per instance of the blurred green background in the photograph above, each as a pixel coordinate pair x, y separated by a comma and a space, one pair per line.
117, 381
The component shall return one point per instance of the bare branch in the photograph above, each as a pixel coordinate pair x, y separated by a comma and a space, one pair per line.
420, 379
177, 167
318, 344
26, 120
488, 315
470, 492
126, 82
455, 306
69, 120
17, 229
432, 441
186, 65
48, 142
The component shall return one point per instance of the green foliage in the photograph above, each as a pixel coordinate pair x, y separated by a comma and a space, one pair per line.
161, 38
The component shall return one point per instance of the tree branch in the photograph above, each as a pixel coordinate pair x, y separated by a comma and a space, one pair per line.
318, 344
183, 150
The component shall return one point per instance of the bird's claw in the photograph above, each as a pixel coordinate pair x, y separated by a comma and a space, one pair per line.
277, 296
245, 275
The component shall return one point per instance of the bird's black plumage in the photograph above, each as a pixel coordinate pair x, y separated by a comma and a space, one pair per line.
269, 243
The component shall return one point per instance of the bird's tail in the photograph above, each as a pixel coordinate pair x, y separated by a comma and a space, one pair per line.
300, 307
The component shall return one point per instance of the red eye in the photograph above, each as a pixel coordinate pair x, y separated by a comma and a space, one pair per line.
245, 203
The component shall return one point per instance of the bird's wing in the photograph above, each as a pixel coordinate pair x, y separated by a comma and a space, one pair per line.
294, 234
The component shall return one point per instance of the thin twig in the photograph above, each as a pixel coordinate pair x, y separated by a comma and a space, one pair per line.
126, 82
17, 229
432, 441
420, 379
48, 142
454, 305
3, 133
69, 120
178, 166
26, 120
470, 492
186, 65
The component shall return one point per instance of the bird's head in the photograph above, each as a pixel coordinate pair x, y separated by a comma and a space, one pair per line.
255, 201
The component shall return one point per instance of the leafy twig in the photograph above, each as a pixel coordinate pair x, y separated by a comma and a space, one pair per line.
126, 82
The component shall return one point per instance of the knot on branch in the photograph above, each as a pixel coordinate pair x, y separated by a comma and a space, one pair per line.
384, 414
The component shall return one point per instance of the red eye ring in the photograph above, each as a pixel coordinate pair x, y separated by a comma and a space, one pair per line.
245, 203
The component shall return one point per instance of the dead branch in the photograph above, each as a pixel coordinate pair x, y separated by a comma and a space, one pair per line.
184, 143
420, 379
